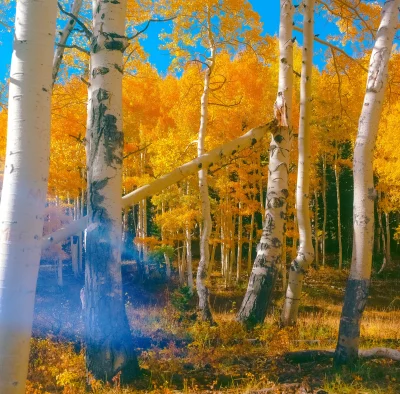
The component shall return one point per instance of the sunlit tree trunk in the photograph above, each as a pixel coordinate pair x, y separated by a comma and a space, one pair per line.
23, 196
388, 238
109, 345
323, 240
364, 194
269, 251
239, 245
316, 228
250, 253
189, 265
305, 253
339, 233
206, 223
380, 226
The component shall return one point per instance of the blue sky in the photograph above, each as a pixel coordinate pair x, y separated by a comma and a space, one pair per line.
269, 16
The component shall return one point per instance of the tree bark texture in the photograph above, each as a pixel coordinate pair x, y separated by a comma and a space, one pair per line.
364, 194
339, 232
305, 253
269, 250
24, 190
109, 345
206, 222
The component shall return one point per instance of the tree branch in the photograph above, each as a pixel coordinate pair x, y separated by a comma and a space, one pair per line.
328, 44
147, 26
77, 20
74, 47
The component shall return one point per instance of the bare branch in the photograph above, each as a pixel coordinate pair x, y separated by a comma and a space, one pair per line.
74, 47
77, 20
328, 44
148, 24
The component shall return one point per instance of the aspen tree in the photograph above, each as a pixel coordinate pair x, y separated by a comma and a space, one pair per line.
357, 287
109, 345
305, 252
24, 190
269, 250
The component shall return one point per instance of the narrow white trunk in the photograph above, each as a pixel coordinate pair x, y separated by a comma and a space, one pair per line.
206, 223
239, 246
339, 233
189, 259
269, 250
24, 190
388, 238
63, 38
305, 253
316, 229
250, 253
364, 194
325, 208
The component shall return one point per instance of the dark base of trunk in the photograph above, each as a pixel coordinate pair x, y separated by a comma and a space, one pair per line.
258, 298
355, 300
204, 309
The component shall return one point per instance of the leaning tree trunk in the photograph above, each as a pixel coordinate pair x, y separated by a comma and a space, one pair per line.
358, 283
206, 223
269, 251
109, 345
24, 191
305, 253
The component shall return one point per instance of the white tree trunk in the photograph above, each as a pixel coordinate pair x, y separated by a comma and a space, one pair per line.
323, 241
364, 194
206, 223
339, 233
388, 238
269, 251
109, 345
239, 245
316, 228
24, 190
63, 38
250, 253
189, 259
305, 253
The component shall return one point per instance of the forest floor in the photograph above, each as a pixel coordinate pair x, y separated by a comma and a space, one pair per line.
178, 354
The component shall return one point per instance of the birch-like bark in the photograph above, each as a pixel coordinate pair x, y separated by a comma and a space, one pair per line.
63, 38
269, 251
23, 196
323, 240
250, 253
206, 223
109, 345
239, 245
388, 238
339, 233
316, 228
305, 253
364, 194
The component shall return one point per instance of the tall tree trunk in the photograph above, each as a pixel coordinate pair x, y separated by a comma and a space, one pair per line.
323, 241
60, 272
189, 265
339, 233
250, 253
239, 245
23, 196
206, 223
109, 345
305, 253
269, 251
380, 226
388, 238
316, 229
358, 284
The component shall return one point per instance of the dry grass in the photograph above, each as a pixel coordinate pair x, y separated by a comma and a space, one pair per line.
177, 353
